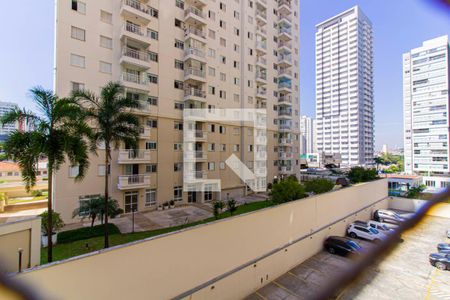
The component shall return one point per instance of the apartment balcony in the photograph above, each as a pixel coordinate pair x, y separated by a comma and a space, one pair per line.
194, 75
261, 93
135, 10
261, 155
285, 73
285, 127
194, 94
195, 156
143, 109
285, 18
195, 33
261, 47
195, 54
135, 81
134, 156
284, 7
136, 58
285, 46
285, 61
285, 142
285, 155
285, 87
194, 16
261, 171
285, 100
285, 170
195, 176
285, 114
197, 3
285, 34
128, 182
261, 77
261, 62
144, 132
262, 3
195, 136
261, 140
261, 18
261, 31
136, 33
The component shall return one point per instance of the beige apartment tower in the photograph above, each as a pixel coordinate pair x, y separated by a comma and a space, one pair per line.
172, 55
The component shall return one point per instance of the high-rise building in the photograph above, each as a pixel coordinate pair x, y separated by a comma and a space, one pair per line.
172, 55
307, 138
344, 87
425, 106
8, 128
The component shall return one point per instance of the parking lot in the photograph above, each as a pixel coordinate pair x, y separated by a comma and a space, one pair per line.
404, 274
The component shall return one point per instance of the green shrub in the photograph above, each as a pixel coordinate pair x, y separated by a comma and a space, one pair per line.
287, 190
232, 206
319, 186
57, 222
85, 233
360, 174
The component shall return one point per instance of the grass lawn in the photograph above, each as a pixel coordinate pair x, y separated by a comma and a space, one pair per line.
64, 251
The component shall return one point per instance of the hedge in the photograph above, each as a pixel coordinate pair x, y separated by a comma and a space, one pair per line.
85, 233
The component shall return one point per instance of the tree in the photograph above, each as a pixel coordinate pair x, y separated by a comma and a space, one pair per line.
114, 125
231, 204
414, 192
60, 131
319, 186
94, 208
392, 169
217, 208
360, 174
378, 161
287, 190
57, 223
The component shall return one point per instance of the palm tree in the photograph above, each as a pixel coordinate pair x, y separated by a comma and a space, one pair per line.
59, 132
113, 124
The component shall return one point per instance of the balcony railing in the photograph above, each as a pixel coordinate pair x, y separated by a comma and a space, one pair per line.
285, 99
285, 127
260, 75
286, 84
261, 30
145, 131
285, 30
287, 58
282, 72
261, 14
284, 2
133, 28
135, 78
285, 113
285, 141
261, 45
281, 17
285, 169
285, 155
261, 92
194, 92
137, 5
136, 54
261, 60
284, 44
195, 31
134, 155
131, 181
193, 10
195, 51
195, 72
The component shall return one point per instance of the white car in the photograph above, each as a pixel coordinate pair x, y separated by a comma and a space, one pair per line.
383, 227
357, 230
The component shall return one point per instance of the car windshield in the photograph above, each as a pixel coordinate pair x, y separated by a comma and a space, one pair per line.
374, 231
353, 245
384, 227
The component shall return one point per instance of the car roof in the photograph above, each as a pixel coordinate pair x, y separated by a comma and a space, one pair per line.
339, 238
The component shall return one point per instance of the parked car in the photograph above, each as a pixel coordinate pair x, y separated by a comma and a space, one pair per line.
342, 246
443, 248
356, 230
440, 260
387, 216
383, 227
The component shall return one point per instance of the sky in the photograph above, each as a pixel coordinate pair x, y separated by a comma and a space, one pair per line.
27, 31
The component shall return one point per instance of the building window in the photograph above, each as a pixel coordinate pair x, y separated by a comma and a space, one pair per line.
208, 195
77, 61
222, 129
151, 168
78, 34
105, 42
151, 145
179, 44
152, 100
101, 170
179, 64
222, 165
179, 105
73, 171
152, 34
178, 125
152, 78
177, 167
154, 12
178, 193
179, 4
150, 197
84, 208
105, 67
178, 84
79, 6
77, 86
105, 17
178, 23
178, 147
211, 166
152, 123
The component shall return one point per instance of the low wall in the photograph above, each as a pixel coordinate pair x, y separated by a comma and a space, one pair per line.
227, 259
412, 205
25, 234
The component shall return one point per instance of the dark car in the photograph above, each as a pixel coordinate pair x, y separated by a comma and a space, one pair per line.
342, 246
443, 248
440, 260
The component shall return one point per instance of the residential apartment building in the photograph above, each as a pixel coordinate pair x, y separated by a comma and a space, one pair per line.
172, 55
8, 128
307, 135
344, 87
426, 109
